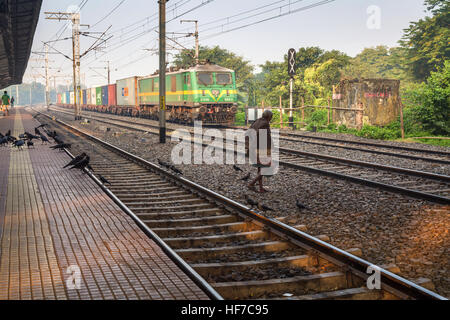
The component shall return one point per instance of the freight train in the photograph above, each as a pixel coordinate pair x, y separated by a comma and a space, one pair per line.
205, 92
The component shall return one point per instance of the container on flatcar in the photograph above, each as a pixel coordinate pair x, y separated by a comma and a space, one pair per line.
84, 97
104, 95
98, 95
67, 95
93, 99
127, 92
71, 98
112, 101
58, 99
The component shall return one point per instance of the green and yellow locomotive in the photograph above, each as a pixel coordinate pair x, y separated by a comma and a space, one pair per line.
204, 92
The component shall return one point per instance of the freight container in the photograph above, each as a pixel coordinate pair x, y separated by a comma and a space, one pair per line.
63, 98
84, 97
59, 99
98, 95
93, 100
67, 97
104, 95
127, 92
72, 98
112, 95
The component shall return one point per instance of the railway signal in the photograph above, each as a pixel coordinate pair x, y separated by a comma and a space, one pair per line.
291, 72
291, 62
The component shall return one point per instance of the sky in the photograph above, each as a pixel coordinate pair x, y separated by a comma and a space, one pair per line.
345, 25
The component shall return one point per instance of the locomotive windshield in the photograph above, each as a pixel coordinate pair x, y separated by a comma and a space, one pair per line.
223, 78
205, 78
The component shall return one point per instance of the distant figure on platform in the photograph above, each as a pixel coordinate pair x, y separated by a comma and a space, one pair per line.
263, 153
5, 103
12, 102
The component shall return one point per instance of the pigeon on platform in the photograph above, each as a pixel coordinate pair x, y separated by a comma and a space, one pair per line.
3, 141
37, 132
75, 160
246, 177
103, 179
41, 126
52, 134
30, 144
61, 146
81, 164
19, 144
300, 205
8, 133
44, 139
235, 167
58, 140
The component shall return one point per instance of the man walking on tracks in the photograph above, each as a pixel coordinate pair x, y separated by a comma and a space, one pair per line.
5, 103
262, 147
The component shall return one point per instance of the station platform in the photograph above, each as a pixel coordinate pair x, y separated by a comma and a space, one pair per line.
55, 222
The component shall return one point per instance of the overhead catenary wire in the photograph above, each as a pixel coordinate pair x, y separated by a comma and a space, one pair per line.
122, 42
109, 14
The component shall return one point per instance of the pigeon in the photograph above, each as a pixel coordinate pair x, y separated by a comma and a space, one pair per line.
22, 136
300, 205
81, 164
37, 132
175, 170
163, 164
3, 141
41, 126
263, 207
8, 133
58, 140
246, 177
44, 139
19, 144
235, 167
61, 146
103, 179
76, 160
251, 202
30, 144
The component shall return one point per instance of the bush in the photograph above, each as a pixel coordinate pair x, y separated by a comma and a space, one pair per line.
432, 104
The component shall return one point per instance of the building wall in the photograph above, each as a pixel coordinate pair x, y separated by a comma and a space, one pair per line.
377, 97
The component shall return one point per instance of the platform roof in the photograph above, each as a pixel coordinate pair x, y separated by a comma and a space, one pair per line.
18, 21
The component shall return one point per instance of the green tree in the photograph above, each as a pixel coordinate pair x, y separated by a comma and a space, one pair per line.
378, 62
426, 40
432, 101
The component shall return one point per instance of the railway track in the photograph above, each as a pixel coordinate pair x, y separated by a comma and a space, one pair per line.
440, 157
240, 253
414, 183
